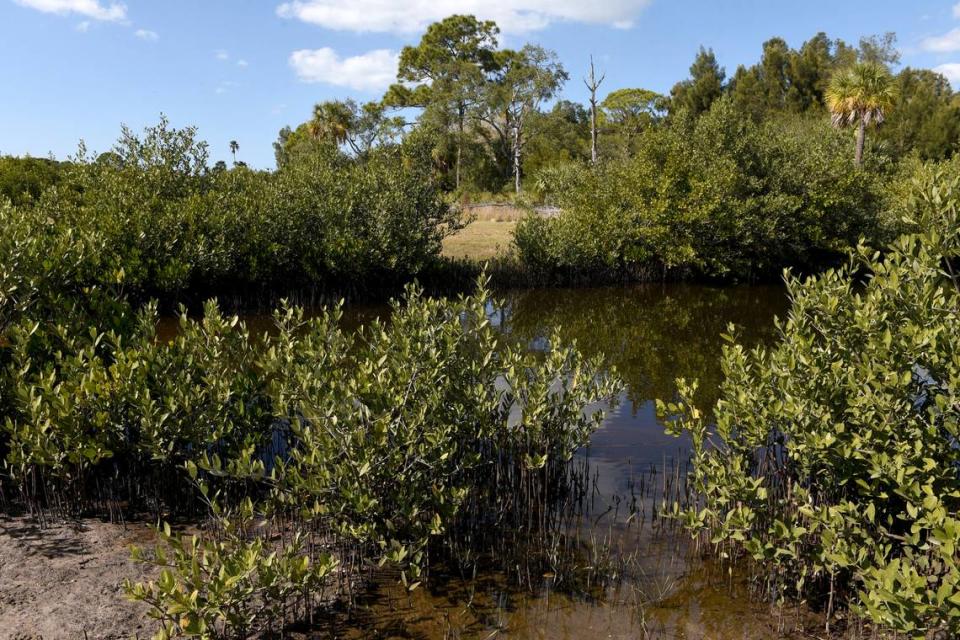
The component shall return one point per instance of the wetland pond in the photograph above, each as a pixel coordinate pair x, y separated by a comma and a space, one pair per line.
652, 334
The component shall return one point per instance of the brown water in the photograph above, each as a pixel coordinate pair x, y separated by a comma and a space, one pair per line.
661, 588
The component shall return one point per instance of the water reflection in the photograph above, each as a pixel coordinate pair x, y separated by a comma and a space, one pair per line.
708, 606
652, 334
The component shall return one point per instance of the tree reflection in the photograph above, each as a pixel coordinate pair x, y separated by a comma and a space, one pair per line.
653, 334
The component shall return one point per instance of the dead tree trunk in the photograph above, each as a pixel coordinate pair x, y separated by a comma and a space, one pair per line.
516, 154
592, 85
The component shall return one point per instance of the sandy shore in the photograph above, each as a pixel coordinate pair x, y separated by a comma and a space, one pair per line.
65, 581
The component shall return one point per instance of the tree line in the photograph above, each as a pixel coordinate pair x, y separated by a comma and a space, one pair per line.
487, 115
724, 177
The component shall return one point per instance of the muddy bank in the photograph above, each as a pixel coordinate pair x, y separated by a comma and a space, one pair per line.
65, 581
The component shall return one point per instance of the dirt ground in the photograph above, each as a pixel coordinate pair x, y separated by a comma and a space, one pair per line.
65, 581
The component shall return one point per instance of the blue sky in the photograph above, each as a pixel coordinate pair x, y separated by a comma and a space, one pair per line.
241, 70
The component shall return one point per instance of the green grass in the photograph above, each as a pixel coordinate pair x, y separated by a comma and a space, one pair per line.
480, 240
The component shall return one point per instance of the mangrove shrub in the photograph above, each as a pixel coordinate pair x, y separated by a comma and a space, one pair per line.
377, 446
834, 462
719, 195
168, 224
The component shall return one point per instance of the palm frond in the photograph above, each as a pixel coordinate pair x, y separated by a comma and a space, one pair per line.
864, 92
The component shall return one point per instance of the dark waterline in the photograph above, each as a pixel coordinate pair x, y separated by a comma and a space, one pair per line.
652, 334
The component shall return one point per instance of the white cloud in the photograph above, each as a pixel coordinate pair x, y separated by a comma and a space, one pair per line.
513, 16
946, 43
113, 12
370, 71
951, 71
956, 10
146, 34
83, 27
242, 63
222, 54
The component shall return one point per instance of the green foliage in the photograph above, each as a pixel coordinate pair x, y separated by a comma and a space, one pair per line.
393, 430
324, 219
47, 266
925, 118
861, 95
83, 399
476, 100
697, 95
390, 433
787, 80
378, 438
22, 180
624, 114
482, 130
450, 53
152, 219
343, 123
719, 195
833, 461
556, 137
227, 586
446, 75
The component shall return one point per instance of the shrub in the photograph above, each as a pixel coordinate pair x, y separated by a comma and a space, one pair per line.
388, 440
166, 224
834, 460
394, 430
384, 439
22, 180
127, 411
720, 195
228, 586
46, 266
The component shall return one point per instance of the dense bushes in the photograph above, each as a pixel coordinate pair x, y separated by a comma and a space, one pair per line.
327, 220
834, 460
98, 416
372, 445
718, 195
22, 180
350, 448
82, 399
167, 224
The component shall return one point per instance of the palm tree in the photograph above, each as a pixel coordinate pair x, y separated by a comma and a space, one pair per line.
234, 147
331, 121
861, 95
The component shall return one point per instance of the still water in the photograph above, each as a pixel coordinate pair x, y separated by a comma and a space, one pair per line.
652, 334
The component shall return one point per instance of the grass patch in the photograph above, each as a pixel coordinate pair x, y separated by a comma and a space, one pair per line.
480, 240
